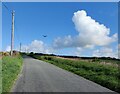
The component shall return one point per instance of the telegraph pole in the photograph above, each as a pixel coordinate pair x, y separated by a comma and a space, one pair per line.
12, 33
20, 47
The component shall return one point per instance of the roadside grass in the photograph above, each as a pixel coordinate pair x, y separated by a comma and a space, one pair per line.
107, 61
0, 76
11, 67
107, 76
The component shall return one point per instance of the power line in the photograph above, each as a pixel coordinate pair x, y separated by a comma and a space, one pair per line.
9, 10
12, 33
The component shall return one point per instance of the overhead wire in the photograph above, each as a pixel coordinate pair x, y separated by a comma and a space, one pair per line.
9, 10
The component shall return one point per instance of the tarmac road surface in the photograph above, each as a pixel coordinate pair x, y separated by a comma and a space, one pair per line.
39, 76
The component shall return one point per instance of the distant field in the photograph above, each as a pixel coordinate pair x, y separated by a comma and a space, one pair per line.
104, 74
11, 67
100, 61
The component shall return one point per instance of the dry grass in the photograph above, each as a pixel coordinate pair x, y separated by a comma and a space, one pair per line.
90, 61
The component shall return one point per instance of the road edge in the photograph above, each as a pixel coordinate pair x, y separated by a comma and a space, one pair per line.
17, 78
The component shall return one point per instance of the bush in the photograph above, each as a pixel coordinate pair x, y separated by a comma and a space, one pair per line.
6, 54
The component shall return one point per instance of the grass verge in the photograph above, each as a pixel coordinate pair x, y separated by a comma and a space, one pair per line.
0, 76
107, 76
11, 67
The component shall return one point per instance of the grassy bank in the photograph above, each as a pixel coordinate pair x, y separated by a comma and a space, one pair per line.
0, 76
104, 75
11, 67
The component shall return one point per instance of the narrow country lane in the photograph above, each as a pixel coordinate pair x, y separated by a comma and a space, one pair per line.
39, 76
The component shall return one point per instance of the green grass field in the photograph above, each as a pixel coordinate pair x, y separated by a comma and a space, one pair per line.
11, 67
104, 75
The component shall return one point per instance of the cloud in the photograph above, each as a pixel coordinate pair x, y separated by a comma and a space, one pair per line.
8, 48
78, 51
90, 33
37, 46
106, 52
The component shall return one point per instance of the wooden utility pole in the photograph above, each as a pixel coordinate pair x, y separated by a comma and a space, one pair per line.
20, 47
12, 33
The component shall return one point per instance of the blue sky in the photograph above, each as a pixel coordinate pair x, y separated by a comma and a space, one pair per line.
32, 20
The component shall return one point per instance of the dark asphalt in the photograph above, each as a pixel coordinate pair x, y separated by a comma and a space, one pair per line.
39, 76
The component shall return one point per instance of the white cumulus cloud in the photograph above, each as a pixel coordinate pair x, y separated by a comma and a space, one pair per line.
90, 33
78, 51
106, 52
37, 46
8, 48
